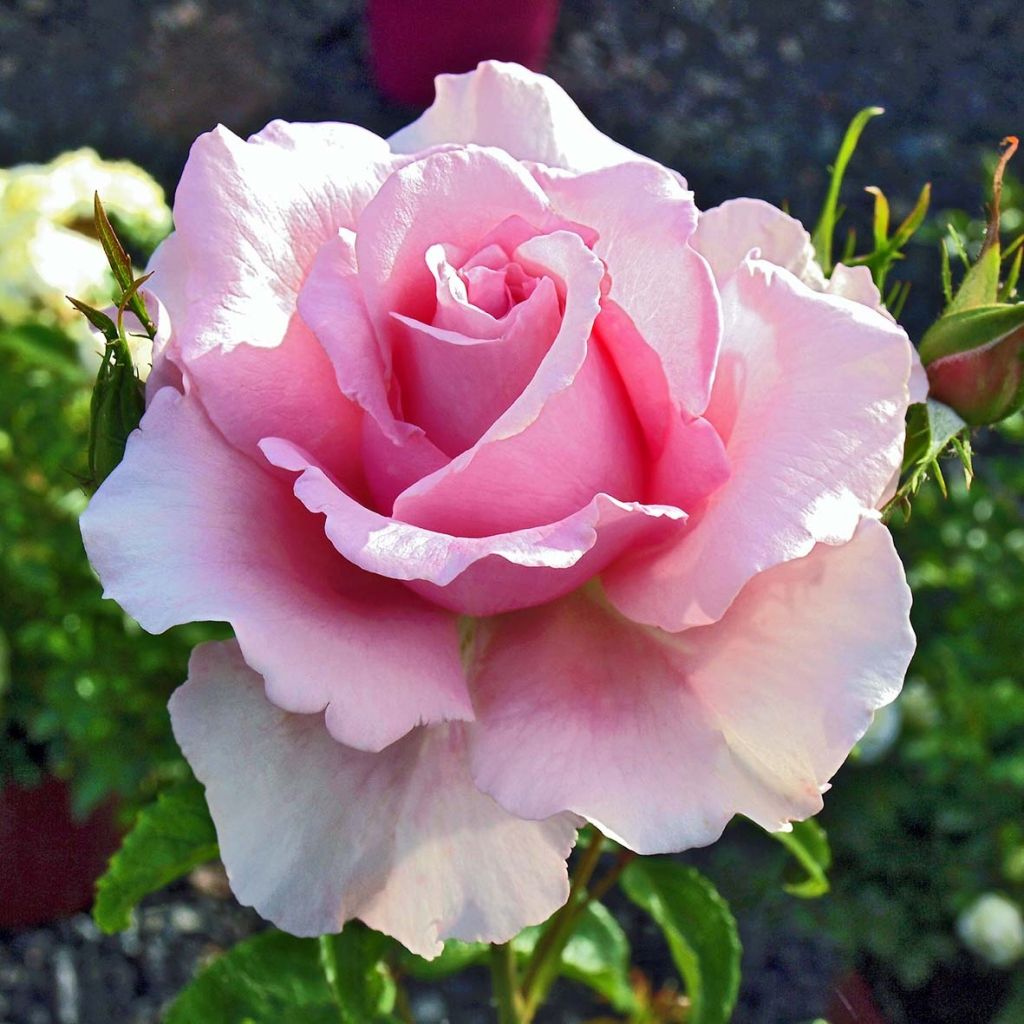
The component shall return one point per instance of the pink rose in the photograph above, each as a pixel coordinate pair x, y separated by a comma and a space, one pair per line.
531, 494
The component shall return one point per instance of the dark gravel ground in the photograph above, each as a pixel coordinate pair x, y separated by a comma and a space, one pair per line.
743, 97
70, 973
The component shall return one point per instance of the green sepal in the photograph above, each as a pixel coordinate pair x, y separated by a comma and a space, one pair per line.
973, 328
980, 286
169, 838
97, 318
808, 843
700, 930
361, 984
120, 264
830, 213
118, 402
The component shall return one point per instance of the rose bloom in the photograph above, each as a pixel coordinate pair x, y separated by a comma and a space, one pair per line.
533, 496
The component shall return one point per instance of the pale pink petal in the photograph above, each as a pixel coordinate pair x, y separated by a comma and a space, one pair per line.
504, 105
250, 218
569, 435
477, 575
809, 399
855, 283
643, 218
314, 833
164, 292
726, 235
188, 529
660, 739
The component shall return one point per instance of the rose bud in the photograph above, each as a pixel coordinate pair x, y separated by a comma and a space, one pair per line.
973, 352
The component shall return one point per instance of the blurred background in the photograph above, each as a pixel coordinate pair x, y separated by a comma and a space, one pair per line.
923, 923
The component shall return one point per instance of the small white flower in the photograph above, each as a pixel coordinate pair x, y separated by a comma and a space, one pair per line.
992, 927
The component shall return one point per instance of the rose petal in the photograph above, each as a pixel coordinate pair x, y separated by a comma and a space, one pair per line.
250, 218
314, 833
809, 399
643, 218
454, 197
187, 529
569, 435
726, 235
477, 575
455, 386
504, 105
659, 738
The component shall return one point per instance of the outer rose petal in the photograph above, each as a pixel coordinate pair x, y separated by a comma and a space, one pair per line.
726, 234
477, 575
251, 217
809, 398
504, 105
643, 218
659, 738
188, 529
314, 833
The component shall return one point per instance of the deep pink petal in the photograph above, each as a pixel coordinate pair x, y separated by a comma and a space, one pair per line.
660, 739
314, 833
456, 387
809, 399
477, 575
504, 105
644, 217
188, 529
571, 433
453, 197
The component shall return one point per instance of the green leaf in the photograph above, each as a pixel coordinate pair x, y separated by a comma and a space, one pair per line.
808, 843
169, 838
267, 979
597, 955
455, 957
700, 930
361, 984
825, 228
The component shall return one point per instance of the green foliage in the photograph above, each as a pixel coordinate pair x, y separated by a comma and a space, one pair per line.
700, 930
920, 835
808, 843
597, 955
280, 979
85, 695
825, 228
361, 984
168, 839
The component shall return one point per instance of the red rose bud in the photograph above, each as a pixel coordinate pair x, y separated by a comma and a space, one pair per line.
975, 362
974, 353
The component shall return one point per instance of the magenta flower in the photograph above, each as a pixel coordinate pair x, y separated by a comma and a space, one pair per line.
532, 495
